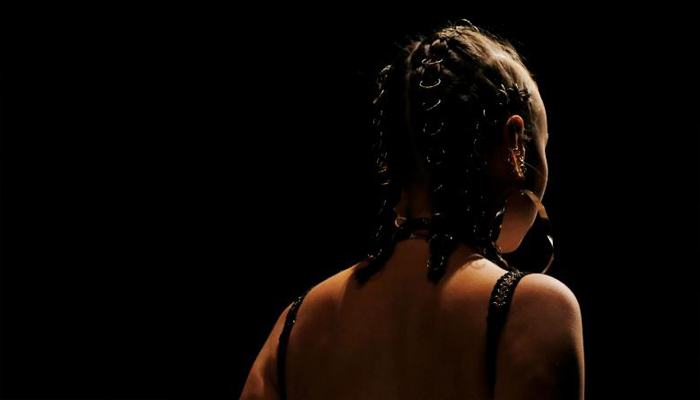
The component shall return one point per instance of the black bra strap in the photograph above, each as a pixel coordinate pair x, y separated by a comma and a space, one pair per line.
499, 304
284, 340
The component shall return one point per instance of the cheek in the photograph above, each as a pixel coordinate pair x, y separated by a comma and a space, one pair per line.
519, 216
540, 174
544, 170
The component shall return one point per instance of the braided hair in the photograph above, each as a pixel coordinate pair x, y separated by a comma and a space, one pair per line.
440, 108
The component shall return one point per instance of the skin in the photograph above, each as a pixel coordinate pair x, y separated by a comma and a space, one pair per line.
398, 336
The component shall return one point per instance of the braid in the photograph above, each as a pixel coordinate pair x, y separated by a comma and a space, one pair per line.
444, 97
429, 84
385, 232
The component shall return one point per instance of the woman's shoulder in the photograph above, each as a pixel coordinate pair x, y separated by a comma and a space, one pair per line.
537, 291
531, 290
535, 297
544, 316
542, 340
320, 299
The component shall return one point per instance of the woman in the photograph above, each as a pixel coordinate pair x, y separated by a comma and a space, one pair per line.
433, 312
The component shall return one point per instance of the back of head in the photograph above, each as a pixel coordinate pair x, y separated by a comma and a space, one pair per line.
441, 107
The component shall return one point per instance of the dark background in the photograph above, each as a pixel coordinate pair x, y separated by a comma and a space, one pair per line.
173, 177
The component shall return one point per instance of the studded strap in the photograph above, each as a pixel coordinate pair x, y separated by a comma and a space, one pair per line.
283, 342
499, 304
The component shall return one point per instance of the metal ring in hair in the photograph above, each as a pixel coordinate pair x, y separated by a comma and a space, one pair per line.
491, 121
379, 232
429, 61
438, 215
378, 98
383, 176
467, 23
437, 103
476, 148
381, 77
440, 187
434, 132
434, 85
381, 159
437, 156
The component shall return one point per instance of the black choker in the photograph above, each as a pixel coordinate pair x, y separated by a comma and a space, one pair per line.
405, 230
415, 223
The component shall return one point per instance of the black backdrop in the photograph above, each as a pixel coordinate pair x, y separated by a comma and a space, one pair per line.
173, 177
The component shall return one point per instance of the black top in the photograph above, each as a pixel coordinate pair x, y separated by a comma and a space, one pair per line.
499, 304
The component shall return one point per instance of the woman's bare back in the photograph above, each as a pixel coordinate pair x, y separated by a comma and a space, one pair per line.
399, 336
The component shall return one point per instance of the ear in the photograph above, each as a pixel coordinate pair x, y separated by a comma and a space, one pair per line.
512, 132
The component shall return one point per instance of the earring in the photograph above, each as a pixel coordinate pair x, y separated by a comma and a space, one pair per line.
516, 158
542, 213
